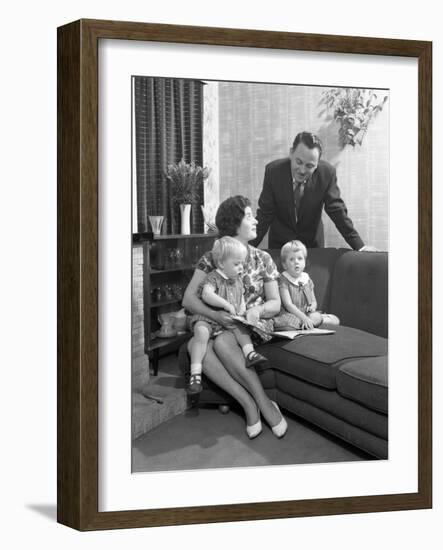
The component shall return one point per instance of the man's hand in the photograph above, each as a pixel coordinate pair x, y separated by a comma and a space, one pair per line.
368, 248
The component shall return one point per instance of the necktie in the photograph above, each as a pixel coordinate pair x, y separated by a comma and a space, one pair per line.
298, 194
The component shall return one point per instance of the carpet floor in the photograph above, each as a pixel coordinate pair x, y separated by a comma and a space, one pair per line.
203, 438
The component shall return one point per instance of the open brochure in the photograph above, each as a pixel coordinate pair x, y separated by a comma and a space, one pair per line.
291, 334
288, 334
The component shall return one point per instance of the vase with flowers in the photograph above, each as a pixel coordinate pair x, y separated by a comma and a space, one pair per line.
186, 180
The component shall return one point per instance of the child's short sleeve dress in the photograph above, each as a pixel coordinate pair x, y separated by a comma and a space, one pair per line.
259, 269
230, 290
301, 292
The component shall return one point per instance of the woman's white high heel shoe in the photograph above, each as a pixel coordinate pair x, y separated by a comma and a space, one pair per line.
280, 429
256, 429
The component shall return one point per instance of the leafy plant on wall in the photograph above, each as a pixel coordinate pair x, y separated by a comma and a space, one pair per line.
353, 109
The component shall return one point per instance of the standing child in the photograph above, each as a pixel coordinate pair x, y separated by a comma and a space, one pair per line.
221, 289
299, 306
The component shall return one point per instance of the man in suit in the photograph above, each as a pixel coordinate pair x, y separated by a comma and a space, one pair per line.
295, 190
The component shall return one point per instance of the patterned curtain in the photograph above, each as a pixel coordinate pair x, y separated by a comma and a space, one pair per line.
168, 127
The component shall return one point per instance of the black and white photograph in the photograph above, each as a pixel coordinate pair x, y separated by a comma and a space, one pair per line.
219, 303
260, 287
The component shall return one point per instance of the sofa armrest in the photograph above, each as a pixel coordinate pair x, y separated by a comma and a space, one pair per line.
359, 291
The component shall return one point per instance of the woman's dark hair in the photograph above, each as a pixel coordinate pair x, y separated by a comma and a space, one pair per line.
310, 140
230, 214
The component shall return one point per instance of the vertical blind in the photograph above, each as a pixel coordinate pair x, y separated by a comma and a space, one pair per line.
168, 127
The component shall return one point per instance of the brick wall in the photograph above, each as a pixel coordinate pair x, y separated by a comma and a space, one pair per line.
140, 361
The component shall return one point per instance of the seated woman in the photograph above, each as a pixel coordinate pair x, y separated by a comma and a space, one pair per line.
224, 362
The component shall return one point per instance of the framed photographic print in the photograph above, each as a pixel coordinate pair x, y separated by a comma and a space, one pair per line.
188, 155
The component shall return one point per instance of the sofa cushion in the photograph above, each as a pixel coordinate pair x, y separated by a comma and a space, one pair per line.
369, 442
317, 358
334, 403
359, 291
365, 381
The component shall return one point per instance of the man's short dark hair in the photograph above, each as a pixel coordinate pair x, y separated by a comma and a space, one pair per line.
230, 214
310, 140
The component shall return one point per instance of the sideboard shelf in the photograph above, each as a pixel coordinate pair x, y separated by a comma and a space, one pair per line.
164, 302
172, 269
185, 237
160, 277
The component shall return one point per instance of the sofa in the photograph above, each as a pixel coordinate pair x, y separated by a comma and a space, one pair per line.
339, 382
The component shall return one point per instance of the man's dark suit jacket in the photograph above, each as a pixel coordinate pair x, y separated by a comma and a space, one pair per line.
276, 209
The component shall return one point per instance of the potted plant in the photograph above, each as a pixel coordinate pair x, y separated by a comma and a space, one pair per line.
354, 109
186, 180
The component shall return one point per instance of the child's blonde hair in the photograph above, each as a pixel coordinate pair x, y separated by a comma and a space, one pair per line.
225, 247
292, 246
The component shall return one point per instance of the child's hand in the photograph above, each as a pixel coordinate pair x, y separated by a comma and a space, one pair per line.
230, 309
306, 323
311, 308
253, 315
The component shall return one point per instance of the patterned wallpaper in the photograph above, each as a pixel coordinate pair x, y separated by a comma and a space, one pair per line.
257, 123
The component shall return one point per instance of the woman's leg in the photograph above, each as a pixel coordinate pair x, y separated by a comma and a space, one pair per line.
215, 371
229, 353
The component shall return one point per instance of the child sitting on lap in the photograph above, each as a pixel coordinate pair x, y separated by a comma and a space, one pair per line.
299, 306
221, 289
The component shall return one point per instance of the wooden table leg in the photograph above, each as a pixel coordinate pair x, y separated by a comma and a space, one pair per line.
155, 359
